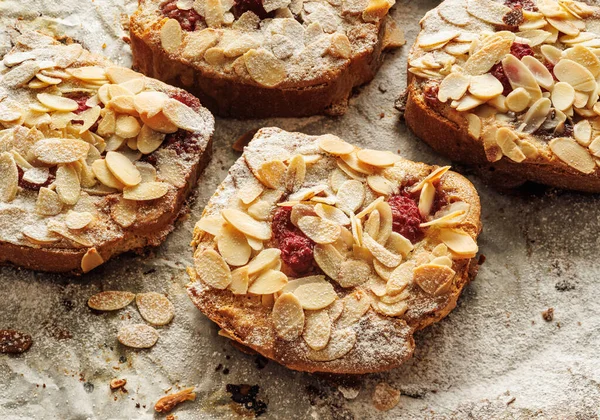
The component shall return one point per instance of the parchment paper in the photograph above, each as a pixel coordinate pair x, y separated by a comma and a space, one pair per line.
493, 357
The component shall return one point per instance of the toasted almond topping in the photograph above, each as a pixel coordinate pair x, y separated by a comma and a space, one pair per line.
155, 308
350, 196
582, 131
57, 103
121, 74
233, 246
384, 396
436, 39
353, 273
395, 309
381, 185
67, 184
432, 178
239, 281
246, 224
335, 309
485, 58
288, 317
372, 224
48, 203
159, 123
9, 174
536, 115
55, 151
330, 213
400, 278
270, 281
315, 295
182, 115
520, 76
212, 268
459, 242
104, 175
295, 174
454, 86
90, 73
382, 254
398, 244
573, 154
321, 231
518, 100
377, 158
110, 300
356, 305
266, 259
485, 87
264, 67
575, 74
375, 10
272, 173
340, 44
434, 279
171, 35
124, 212
563, 96
149, 140
352, 161
150, 103
540, 72
39, 234
146, 191
122, 168
329, 259
317, 329
334, 145
168, 402
340, 344
137, 336
78, 220
487, 10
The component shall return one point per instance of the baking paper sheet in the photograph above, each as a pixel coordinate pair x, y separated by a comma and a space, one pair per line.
493, 357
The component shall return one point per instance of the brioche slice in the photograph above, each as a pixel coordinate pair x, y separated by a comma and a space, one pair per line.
326, 257
511, 86
95, 159
264, 58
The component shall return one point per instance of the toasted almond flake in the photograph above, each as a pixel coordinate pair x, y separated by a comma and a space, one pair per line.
575, 74
266, 69
260, 210
155, 308
300, 210
539, 71
288, 317
137, 336
329, 259
88, 73
210, 224
398, 244
350, 196
269, 281
48, 203
536, 115
295, 173
377, 158
39, 234
317, 329
396, 309
357, 230
346, 169
250, 191
372, 224
487, 10
573, 154
563, 25
9, 174
319, 230
233, 246
266, 259
595, 147
426, 199
159, 122
356, 305
352, 161
183, 116
239, 281
454, 86
246, 224
431, 41
149, 103
335, 309
485, 58
255, 244
459, 242
171, 35
57, 103
127, 126
382, 254
518, 100
122, 168
381, 185
54, 151
121, 74
369, 208
376, 10
582, 131
89, 116
110, 300
485, 87
334, 145
212, 268
400, 278
78, 220
67, 184
340, 344
434, 279
467, 103
104, 175
331, 213
168, 402
146, 191
149, 140
124, 212
353, 273
381, 270
272, 173
563, 96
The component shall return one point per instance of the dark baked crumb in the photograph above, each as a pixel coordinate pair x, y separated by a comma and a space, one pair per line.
548, 314
514, 18
247, 395
12, 341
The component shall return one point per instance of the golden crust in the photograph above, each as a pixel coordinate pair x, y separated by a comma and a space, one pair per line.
382, 342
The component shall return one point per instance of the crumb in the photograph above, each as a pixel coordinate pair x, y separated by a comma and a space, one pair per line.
170, 417
512, 400
117, 383
168, 402
548, 314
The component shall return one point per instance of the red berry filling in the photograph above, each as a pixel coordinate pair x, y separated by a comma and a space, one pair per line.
519, 51
522, 4
256, 6
188, 19
406, 217
296, 248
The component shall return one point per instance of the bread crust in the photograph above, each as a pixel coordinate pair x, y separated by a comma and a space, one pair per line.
232, 96
245, 320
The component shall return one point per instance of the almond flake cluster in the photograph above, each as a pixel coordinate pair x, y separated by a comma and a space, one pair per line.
348, 218
552, 105
73, 155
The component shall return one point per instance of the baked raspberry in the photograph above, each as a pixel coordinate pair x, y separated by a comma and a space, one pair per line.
406, 217
81, 99
296, 248
524, 4
188, 19
256, 6
430, 92
520, 50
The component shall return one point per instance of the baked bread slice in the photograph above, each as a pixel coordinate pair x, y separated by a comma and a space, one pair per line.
511, 86
263, 58
95, 159
327, 258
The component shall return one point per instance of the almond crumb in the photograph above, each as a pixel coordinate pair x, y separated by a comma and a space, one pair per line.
117, 383
168, 402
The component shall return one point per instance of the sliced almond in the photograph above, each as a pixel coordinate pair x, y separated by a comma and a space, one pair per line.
575, 74
396, 309
381, 185
39, 234
434, 279
353, 273
350, 196
239, 281
426, 200
48, 203
563, 96
89, 116
315, 296
454, 86
319, 230
372, 224
270, 281
183, 116
540, 72
137, 336
485, 87
171, 35
520, 76
488, 11
485, 58
340, 344
146, 191
246, 224
334, 145
121, 74
57, 103
266, 259
382, 254
127, 126
437, 39
459, 242
331, 213
400, 278
155, 308
536, 115
9, 173
233, 246
295, 173
89, 73
317, 329
582, 131
272, 173
124, 212
266, 69
150, 103
160, 123
122, 168
518, 100
356, 305
212, 268
78, 220
104, 174
329, 259
67, 184
288, 317
377, 158
54, 151
110, 300
149, 140
398, 244
352, 161
573, 154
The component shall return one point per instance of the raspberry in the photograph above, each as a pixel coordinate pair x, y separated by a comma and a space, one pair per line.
188, 19
256, 6
81, 99
406, 217
520, 50
296, 248
524, 4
